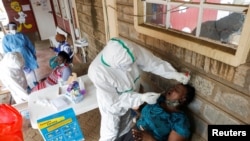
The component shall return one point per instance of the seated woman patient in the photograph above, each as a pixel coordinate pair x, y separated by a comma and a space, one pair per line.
62, 71
165, 120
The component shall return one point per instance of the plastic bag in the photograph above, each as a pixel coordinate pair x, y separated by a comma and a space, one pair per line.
10, 124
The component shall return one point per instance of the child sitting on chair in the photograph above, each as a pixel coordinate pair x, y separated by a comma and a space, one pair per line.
63, 46
61, 71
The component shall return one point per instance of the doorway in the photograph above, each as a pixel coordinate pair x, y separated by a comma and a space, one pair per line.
44, 18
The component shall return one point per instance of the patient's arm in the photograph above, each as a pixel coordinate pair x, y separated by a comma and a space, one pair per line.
146, 136
174, 136
142, 135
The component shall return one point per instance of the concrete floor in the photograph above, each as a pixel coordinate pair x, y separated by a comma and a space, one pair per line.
89, 122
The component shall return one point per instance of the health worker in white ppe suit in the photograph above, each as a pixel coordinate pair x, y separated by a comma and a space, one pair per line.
115, 73
13, 77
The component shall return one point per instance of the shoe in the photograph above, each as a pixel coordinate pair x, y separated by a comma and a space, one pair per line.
29, 89
35, 83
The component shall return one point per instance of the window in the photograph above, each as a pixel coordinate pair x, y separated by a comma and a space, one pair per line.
214, 28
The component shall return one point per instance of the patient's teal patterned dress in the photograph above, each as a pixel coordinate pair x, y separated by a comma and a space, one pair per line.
160, 123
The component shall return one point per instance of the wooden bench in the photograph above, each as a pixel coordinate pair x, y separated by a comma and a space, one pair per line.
53, 42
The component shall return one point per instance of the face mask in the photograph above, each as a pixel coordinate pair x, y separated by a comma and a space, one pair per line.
172, 103
13, 31
61, 65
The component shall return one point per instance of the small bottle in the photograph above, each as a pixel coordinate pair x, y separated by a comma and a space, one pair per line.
60, 82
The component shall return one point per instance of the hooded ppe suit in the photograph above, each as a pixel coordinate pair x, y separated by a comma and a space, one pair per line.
13, 77
115, 73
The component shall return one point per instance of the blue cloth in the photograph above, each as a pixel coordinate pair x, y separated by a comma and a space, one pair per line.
64, 46
21, 43
160, 123
52, 62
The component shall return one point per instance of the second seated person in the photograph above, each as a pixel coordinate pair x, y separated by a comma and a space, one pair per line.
62, 46
62, 71
115, 73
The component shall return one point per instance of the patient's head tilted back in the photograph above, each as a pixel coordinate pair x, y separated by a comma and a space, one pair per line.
179, 95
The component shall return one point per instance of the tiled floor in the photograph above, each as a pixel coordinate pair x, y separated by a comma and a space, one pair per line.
89, 122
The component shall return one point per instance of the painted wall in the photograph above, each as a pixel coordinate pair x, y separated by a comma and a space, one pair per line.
20, 11
91, 22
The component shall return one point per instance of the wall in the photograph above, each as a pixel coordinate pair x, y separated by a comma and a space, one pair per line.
90, 16
26, 21
27, 26
223, 91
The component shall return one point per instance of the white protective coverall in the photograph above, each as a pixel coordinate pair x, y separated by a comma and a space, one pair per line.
13, 77
115, 73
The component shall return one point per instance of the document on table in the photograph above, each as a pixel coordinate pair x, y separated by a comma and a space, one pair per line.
61, 102
61, 126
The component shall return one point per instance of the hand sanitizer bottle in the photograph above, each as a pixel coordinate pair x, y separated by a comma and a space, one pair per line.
60, 82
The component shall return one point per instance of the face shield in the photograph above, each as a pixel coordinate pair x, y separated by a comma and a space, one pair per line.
12, 28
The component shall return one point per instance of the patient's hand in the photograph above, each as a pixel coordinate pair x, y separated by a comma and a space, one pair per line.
52, 48
142, 135
136, 108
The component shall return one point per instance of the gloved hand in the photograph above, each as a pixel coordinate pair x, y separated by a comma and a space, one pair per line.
150, 97
27, 70
182, 77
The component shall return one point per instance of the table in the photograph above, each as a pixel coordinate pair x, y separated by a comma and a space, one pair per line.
4, 90
38, 110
